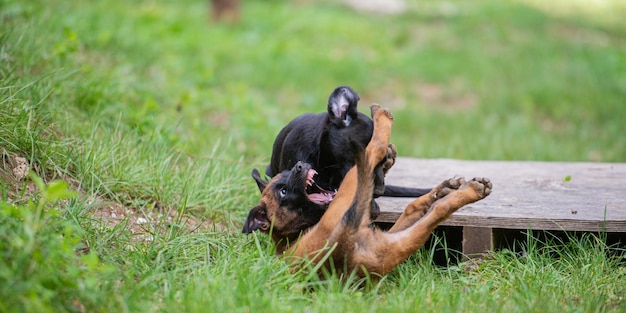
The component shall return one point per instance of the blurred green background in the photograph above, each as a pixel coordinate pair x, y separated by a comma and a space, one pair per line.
472, 80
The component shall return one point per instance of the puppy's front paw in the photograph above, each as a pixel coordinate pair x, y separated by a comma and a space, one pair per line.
390, 158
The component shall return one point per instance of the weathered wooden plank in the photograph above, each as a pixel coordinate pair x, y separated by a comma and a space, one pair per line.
526, 195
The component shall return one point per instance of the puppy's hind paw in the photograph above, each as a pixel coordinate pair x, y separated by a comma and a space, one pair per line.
481, 185
449, 185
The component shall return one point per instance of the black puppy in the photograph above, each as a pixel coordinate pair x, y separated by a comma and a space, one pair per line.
324, 142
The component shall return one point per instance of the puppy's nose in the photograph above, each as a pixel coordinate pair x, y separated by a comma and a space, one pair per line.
299, 166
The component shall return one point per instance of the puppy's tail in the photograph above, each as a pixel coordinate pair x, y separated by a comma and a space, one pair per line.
400, 191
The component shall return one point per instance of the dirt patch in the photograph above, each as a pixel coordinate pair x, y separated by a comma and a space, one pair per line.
378, 6
389, 95
396, 94
14, 170
445, 97
142, 224
581, 35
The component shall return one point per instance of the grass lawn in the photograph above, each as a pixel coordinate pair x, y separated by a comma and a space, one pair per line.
146, 112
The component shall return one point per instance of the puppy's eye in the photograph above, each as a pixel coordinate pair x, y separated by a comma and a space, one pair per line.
283, 192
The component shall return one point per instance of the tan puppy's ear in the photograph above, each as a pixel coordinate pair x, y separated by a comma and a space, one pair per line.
257, 219
260, 182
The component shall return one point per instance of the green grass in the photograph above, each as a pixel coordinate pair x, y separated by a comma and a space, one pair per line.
148, 107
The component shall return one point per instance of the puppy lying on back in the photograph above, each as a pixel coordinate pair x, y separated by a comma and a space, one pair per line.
323, 141
343, 239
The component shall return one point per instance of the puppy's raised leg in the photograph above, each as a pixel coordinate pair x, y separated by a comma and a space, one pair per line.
418, 208
359, 211
379, 157
385, 250
350, 207
376, 150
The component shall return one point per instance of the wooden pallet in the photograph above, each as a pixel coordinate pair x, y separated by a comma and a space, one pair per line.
526, 195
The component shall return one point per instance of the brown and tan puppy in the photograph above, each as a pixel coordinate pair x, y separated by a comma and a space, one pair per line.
344, 239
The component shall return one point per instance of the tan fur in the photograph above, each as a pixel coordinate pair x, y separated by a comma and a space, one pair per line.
353, 244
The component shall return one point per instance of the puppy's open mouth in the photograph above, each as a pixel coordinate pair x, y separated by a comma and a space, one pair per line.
315, 193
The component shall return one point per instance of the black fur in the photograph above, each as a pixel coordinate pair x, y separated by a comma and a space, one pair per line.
323, 140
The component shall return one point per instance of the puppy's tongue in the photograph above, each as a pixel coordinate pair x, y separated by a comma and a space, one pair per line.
321, 198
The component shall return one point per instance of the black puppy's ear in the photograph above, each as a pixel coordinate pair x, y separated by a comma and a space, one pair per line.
257, 219
342, 104
260, 182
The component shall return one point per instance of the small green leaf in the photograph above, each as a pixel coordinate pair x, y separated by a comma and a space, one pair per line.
567, 178
58, 190
37, 180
